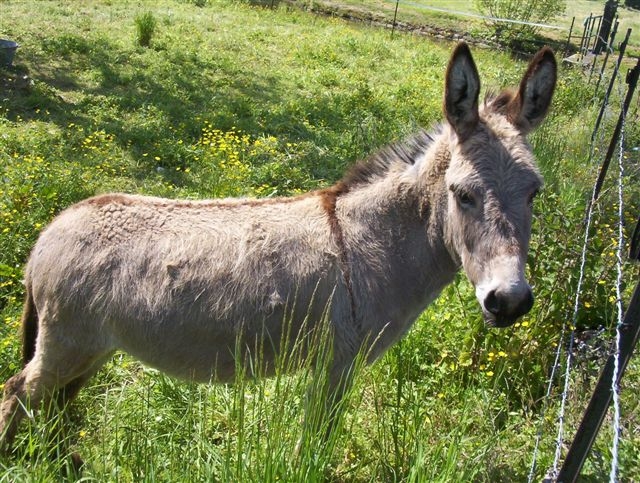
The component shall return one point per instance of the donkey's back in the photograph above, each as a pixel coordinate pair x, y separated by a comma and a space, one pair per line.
175, 283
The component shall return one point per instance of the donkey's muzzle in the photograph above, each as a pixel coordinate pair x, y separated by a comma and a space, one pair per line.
502, 309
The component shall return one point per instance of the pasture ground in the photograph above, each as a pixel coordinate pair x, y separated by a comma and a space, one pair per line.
462, 16
233, 99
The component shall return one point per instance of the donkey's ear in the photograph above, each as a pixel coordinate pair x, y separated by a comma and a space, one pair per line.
462, 87
530, 105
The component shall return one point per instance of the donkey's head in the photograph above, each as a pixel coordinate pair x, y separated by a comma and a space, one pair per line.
492, 180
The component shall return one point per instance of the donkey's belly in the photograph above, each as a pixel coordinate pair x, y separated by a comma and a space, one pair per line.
208, 350
203, 360
207, 332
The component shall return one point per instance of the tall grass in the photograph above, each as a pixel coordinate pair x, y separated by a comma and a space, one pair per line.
145, 27
234, 100
154, 428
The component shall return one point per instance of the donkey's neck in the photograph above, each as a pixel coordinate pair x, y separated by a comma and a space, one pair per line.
408, 197
393, 238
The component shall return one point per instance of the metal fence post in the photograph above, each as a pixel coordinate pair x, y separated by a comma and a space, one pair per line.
395, 16
606, 55
566, 47
587, 25
599, 404
623, 48
632, 81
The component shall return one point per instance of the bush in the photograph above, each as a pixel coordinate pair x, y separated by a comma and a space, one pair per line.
145, 27
533, 11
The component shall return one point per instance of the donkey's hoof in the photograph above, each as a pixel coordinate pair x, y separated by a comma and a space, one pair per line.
6, 446
74, 466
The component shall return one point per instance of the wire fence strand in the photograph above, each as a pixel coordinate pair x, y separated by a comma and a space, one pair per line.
615, 387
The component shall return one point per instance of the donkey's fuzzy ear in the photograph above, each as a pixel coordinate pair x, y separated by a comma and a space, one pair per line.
462, 87
530, 105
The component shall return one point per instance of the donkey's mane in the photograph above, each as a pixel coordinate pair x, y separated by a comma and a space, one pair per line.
377, 165
497, 101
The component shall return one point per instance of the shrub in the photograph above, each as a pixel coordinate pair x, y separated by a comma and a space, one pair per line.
145, 27
533, 11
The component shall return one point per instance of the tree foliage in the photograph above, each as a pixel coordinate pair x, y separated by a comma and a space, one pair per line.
523, 16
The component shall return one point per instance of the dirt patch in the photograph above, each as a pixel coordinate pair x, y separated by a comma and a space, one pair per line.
13, 80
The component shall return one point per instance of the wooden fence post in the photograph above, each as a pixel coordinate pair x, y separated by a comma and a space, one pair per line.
605, 27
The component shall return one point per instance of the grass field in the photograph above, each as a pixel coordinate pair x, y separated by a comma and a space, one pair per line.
463, 16
231, 99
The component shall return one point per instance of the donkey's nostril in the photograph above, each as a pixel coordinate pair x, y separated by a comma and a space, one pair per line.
508, 305
492, 303
526, 304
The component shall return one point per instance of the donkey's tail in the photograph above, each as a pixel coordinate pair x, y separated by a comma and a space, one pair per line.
29, 326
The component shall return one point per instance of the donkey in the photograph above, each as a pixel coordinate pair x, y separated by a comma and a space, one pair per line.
178, 283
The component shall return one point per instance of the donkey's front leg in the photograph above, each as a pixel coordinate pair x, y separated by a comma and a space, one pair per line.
324, 406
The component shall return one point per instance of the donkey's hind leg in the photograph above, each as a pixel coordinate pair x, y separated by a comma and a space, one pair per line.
70, 390
52, 377
25, 389
10, 411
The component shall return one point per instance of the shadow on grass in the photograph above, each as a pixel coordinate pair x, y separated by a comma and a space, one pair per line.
124, 82
151, 98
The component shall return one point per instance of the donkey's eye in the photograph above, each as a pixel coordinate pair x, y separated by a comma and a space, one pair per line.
465, 199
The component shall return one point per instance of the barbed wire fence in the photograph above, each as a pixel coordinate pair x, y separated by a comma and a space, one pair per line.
627, 325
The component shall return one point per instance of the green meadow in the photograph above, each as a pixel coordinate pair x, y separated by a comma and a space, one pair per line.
219, 98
